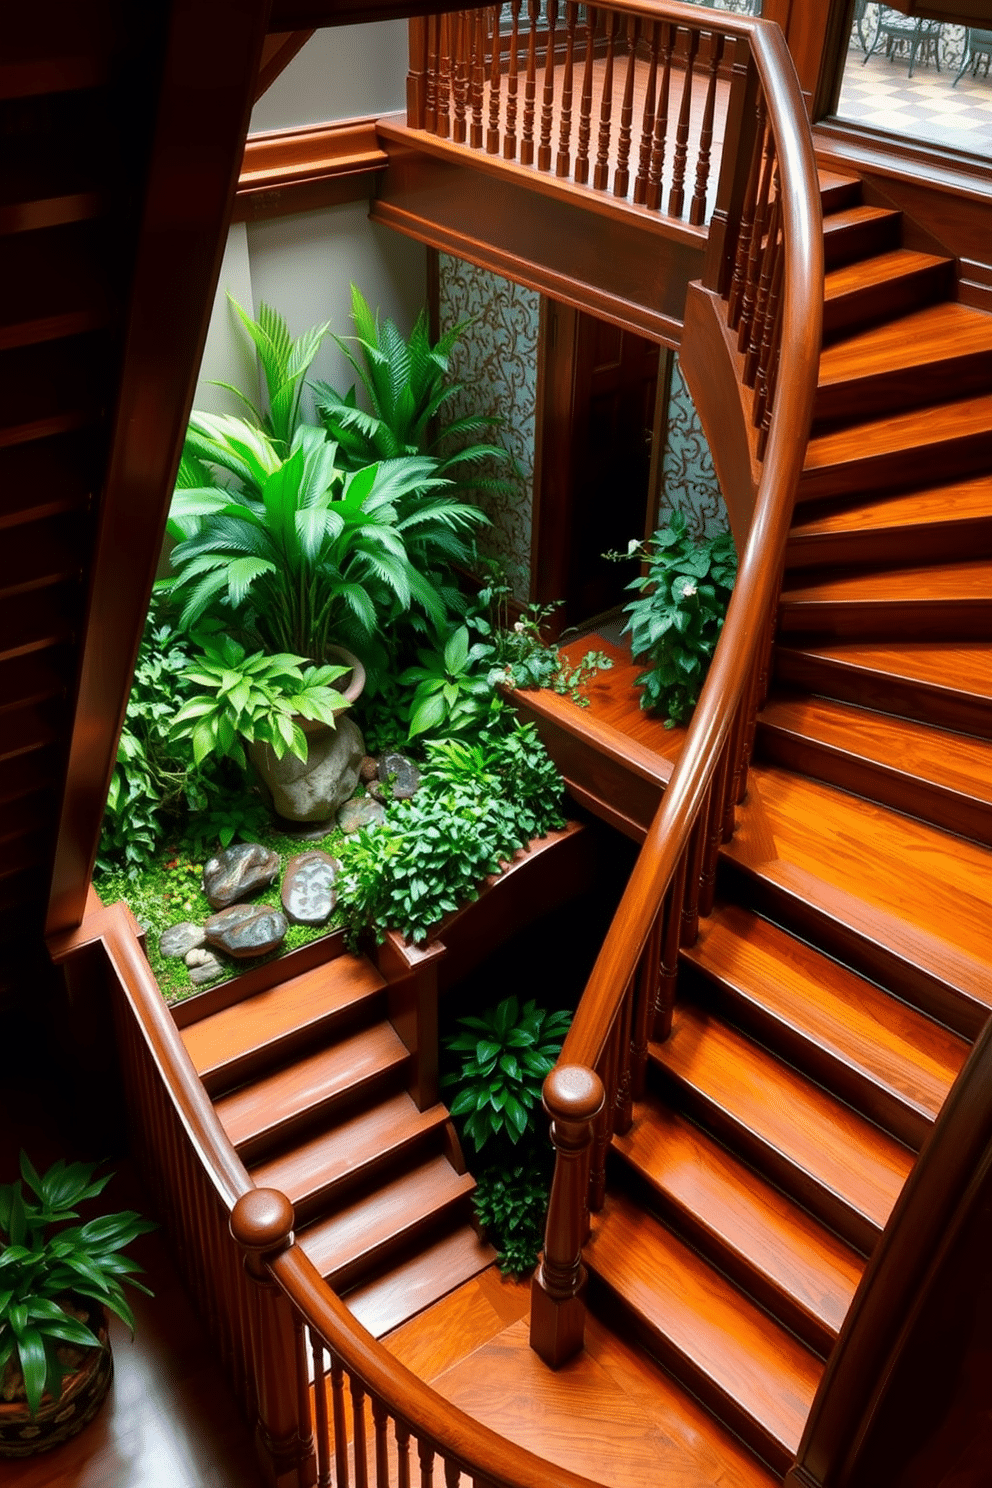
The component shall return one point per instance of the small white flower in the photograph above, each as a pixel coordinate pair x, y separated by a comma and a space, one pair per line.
688, 589
518, 627
633, 546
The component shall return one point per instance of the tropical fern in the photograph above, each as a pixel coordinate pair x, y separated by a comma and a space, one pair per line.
284, 363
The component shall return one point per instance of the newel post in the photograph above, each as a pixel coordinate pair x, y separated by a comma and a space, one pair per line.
262, 1224
573, 1098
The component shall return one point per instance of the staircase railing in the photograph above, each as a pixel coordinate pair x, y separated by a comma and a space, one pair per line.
764, 268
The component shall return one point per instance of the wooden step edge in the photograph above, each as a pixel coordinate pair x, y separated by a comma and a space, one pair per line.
41, 328
947, 538
799, 1272
57, 210
416, 1280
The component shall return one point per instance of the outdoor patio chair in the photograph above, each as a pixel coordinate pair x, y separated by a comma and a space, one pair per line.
898, 31
977, 44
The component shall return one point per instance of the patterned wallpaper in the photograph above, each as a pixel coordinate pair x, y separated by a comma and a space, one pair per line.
689, 482
496, 358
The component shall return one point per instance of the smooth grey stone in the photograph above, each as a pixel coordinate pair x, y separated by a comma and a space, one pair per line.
308, 894
179, 939
204, 966
238, 872
311, 790
400, 774
247, 929
359, 813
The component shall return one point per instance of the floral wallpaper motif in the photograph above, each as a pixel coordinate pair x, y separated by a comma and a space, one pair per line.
496, 359
689, 482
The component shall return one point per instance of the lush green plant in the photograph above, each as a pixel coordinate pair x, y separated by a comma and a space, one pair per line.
284, 363
523, 658
452, 690
254, 700
508, 1052
675, 623
42, 1274
509, 762
511, 1204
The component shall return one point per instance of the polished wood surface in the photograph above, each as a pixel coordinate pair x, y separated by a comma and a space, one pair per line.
297, 170
912, 527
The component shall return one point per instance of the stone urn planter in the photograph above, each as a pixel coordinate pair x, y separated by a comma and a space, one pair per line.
83, 1392
311, 790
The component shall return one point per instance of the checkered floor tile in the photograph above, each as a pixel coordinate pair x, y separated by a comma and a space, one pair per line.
879, 93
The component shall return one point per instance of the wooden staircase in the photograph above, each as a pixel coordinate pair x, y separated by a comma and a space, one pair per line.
309, 1080
831, 997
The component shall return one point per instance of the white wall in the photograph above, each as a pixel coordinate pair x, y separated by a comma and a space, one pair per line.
343, 72
228, 354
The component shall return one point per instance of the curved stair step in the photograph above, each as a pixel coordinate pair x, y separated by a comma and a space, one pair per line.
906, 363
942, 778
754, 1375
360, 1144
841, 1167
802, 1273
899, 450
878, 288
838, 191
933, 681
899, 901
345, 1247
418, 1280
251, 1036
278, 1107
859, 231
885, 1058
947, 522
950, 602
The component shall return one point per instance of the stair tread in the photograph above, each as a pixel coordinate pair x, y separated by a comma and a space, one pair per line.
961, 666
263, 1022
845, 217
361, 1229
279, 1099
967, 581
819, 841
869, 441
878, 269
356, 1142
806, 1127
886, 1041
424, 1278
950, 761
962, 501
725, 1338
743, 1214
918, 338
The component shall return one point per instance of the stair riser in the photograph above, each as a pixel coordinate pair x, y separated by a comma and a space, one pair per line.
832, 1210
968, 816
904, 469
421, 1229
762, 1288
923, 542
845, 245
416, 1149
608, 1302
266, 1143
967, 715
838, 195
887, 1108
258, 1062
871, 959
873, 303
896, 392
865, 620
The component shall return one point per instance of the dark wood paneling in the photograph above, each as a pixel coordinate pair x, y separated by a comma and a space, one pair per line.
302, 170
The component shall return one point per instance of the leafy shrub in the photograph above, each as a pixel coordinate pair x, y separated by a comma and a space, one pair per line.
452, 692
675, 623
508, 1052
511, 1204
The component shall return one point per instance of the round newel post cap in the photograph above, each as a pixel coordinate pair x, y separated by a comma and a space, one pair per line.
262, 1221
572, 1092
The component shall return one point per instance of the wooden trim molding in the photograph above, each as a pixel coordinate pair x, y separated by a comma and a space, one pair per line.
298, 170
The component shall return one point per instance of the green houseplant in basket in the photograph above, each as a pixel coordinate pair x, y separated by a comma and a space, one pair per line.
58, 1280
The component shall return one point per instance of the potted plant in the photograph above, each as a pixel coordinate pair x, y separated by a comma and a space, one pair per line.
58, 1281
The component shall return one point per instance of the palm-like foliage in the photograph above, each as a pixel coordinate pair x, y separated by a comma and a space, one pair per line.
284, 362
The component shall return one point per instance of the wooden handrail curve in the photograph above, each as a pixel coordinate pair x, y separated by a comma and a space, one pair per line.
630, 989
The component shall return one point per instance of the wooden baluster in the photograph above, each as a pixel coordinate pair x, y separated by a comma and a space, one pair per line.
624, 1102
323, 1432
742, 253
262, 1224
656, 169
676, 196
477, 77
714, 832
573, 1098
416, 77
495, 84
621, 176
762, 382
759, 324
444, 79
647, 119
753, 273
750, 722
734, 792
670, 939
460, 74
433, 70
585, 101
401, 1432
359, 1444
646, 998
452, 1473
604, 1125
601, 174
510, 137
548, 96
340, 1424
425, 1456
697, 208
530, 86
563, 161
380, 1420
690, 899
740, 95
772, 381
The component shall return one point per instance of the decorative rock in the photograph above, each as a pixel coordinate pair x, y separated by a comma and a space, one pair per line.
238, 872
308, 887
179, 939
368, 769
401, 774
203, 965
311, 790
359, 813
247, 929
